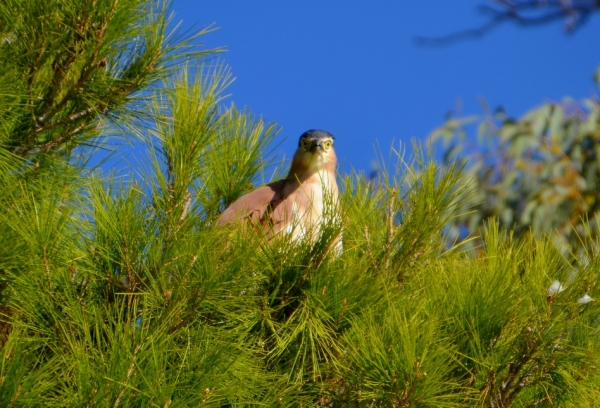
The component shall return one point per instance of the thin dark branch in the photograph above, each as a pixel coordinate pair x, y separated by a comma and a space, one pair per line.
460, 35
527, 13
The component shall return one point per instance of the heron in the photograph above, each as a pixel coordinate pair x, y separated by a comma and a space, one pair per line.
297, 204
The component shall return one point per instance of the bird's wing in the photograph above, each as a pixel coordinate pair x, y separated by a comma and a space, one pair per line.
259, 206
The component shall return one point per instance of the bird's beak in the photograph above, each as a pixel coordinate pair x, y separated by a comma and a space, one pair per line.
316, 144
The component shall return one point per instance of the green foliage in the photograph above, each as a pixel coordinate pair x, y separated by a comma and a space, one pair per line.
67, 66
540, 172
121, 292
116, 295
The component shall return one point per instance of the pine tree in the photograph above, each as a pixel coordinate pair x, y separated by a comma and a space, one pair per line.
120, 292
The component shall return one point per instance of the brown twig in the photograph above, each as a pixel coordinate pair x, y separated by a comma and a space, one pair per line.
388, 244
129, 374
369, 248
332, 244
46, 266
186, 206
15, 397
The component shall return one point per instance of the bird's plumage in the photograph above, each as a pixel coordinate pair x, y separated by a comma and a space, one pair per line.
296, 204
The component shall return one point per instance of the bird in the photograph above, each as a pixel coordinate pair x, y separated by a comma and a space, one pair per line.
295, 205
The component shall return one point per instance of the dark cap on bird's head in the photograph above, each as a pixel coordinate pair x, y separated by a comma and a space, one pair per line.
315, 152
315, 134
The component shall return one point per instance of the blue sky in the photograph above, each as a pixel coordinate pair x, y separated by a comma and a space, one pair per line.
353, 68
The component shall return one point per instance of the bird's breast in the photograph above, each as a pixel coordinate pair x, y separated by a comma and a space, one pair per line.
309, 202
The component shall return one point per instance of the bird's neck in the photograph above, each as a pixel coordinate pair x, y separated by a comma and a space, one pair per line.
316, 182
303, 175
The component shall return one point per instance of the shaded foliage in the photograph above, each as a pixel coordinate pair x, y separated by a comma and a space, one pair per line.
539, 172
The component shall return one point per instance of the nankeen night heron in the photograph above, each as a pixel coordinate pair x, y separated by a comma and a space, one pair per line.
297, 204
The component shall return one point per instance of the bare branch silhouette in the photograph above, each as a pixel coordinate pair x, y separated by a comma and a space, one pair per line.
525, 13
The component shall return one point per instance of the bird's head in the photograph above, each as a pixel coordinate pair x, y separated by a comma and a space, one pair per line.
315, 152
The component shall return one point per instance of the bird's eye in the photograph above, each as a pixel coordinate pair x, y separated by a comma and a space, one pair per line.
305, 143
327, 144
